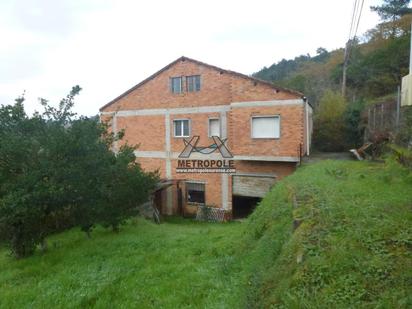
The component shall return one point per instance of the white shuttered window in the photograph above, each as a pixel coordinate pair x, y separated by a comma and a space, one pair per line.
214, 127
266, 127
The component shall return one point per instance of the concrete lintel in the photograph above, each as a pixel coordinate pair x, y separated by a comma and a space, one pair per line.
269, 175
150, 154
267, 103
202, 109
266, 158
170, 111
213, 156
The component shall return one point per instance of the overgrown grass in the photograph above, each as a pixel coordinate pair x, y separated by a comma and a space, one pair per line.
179, 264
336, 234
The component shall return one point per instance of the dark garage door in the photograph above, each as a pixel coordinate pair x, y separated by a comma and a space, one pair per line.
248, 191
254, 186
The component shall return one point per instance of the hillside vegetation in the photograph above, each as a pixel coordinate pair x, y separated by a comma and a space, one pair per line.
377, 63
178, 264
333, 235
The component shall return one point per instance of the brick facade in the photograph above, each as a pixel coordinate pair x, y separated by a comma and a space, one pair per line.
148, 110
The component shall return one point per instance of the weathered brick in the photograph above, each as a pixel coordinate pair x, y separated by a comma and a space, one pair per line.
218, 88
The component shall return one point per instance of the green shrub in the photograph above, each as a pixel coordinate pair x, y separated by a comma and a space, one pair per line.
329, 123
58, 171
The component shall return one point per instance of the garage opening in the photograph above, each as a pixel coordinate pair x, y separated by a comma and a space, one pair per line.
248, 190
243, 206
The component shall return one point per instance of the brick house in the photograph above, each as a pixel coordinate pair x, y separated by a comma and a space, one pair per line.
217, 137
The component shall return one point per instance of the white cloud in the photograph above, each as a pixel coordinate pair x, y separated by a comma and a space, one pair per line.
108, 46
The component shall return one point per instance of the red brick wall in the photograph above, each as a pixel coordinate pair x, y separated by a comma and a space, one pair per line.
153, 127
248, 90
217, 88
213, 187
291, 131
281, 169
199, 126
152, 165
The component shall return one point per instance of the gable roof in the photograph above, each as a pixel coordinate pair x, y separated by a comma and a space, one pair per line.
183, 58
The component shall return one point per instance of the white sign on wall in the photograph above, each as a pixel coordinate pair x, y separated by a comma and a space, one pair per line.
406, 94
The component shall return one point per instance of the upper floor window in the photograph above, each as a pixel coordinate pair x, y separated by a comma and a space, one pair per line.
214, 127
181, 127
193, 83
266, 127
176, 84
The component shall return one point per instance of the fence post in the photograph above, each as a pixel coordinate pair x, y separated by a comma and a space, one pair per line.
369, 130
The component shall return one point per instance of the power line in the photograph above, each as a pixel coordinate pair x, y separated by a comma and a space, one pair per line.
355, 4
356, 16
354, 25
359, 17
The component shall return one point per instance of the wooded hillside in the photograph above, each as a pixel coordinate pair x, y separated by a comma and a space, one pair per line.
377, 63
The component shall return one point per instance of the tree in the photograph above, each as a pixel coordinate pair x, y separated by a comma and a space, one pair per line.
354, 128
329, 123
58, 171
321, 50
126, 187
392, 10
380, 71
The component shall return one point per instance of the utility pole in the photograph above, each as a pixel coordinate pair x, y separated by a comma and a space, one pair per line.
398, 108
345, 66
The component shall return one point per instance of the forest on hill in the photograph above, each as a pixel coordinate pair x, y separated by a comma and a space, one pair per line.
378, 61
376, 64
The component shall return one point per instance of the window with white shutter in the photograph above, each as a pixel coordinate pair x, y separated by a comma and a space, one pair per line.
266, 127
214, 127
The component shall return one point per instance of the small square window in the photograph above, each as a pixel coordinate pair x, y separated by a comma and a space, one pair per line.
181, 128
193, 83
195, 193
214, 127
266, 127
176, 84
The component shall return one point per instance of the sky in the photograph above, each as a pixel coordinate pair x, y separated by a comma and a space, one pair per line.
108, 46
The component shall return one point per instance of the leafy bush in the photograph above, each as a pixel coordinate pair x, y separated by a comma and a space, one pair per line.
329, 123
58, 171
354, 128
125, 187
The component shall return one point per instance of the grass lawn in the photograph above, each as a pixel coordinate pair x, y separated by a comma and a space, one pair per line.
178, 264
335, 234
